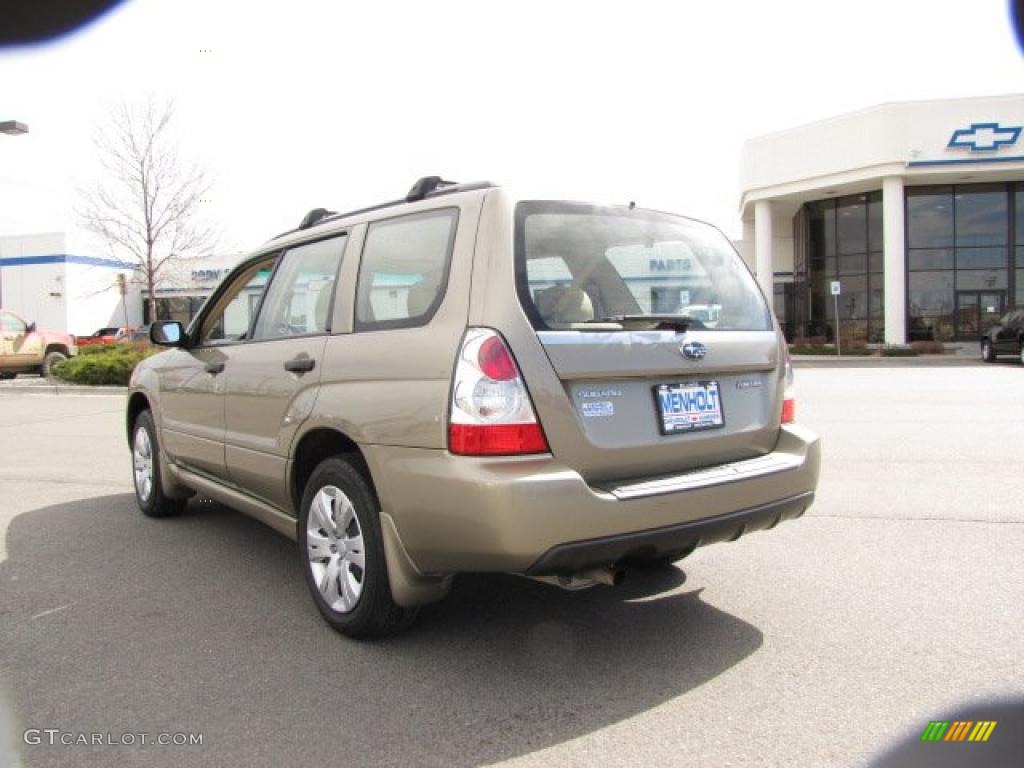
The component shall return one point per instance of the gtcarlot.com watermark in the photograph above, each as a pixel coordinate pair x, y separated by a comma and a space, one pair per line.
56, 737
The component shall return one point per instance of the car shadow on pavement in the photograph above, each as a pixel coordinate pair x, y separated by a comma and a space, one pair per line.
114, 623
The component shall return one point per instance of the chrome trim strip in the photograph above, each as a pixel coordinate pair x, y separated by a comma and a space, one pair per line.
703, 478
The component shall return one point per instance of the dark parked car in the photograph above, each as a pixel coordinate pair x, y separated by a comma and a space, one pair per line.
1005, 337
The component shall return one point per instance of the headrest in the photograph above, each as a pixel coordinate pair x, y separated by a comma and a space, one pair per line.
562, 305
421, 296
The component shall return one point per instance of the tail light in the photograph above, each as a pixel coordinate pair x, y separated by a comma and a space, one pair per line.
788, 393
491, 412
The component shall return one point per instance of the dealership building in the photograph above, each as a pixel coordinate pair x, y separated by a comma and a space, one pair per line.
55, 286
915, 210
60, 286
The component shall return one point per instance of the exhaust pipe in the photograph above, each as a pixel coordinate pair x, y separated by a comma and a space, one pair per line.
607, 575
585, 579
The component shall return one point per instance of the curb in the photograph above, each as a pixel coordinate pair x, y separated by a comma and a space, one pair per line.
59, 389
869, 361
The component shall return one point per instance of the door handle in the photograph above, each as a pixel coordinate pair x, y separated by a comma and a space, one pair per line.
214, 368
300, 364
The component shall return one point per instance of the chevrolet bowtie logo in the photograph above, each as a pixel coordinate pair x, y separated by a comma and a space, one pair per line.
984, 137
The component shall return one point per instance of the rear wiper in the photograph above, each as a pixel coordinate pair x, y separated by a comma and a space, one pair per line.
661, 322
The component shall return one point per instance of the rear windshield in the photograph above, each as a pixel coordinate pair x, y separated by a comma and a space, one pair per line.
584, 267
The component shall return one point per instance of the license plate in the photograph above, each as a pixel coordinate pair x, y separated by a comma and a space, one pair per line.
688, 407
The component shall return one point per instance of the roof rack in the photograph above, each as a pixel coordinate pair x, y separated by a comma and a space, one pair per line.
425, 186
428, 186
314, 216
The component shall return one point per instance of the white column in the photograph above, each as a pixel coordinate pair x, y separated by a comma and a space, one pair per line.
763, 247
895, 259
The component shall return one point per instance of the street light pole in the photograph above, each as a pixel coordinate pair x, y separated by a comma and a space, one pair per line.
11, 128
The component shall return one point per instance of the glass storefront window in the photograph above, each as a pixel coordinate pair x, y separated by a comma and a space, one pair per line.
853, 264
780, 299
1020, 221
180, 308
823, 230
852, 225
963, 230
876, 304
929, 217
930, 258
819, 293
875, 232
981, 215
931, 305
853, 309
958, 242
1019, 250
841, 233
980, 279
981, 258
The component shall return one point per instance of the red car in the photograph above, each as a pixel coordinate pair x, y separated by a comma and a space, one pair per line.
105, 336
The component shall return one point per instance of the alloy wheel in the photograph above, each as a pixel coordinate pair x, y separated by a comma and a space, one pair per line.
334, 545
142, 458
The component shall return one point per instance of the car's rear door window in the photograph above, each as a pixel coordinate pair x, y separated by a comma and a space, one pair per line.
300, 296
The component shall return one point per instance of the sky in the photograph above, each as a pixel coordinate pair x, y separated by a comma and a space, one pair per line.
342, 105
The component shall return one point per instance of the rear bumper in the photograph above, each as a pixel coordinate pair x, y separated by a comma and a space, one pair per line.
681, 539
534, 515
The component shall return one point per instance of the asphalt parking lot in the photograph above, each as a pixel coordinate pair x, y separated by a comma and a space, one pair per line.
896, 600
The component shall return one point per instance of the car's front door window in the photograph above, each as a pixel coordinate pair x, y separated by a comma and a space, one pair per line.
11, 324
230, 318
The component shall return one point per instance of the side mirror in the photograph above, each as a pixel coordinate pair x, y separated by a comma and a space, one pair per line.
31, 327
167, 333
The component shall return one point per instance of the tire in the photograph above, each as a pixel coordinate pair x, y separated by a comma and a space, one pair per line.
7, 375
145, 464
988, 354
51, 359
342, 553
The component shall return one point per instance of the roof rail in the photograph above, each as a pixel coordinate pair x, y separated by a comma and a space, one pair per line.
428, 186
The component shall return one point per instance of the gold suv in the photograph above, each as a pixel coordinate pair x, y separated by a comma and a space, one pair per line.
464, 381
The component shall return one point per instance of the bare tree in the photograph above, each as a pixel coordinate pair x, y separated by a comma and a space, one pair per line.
146, 206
